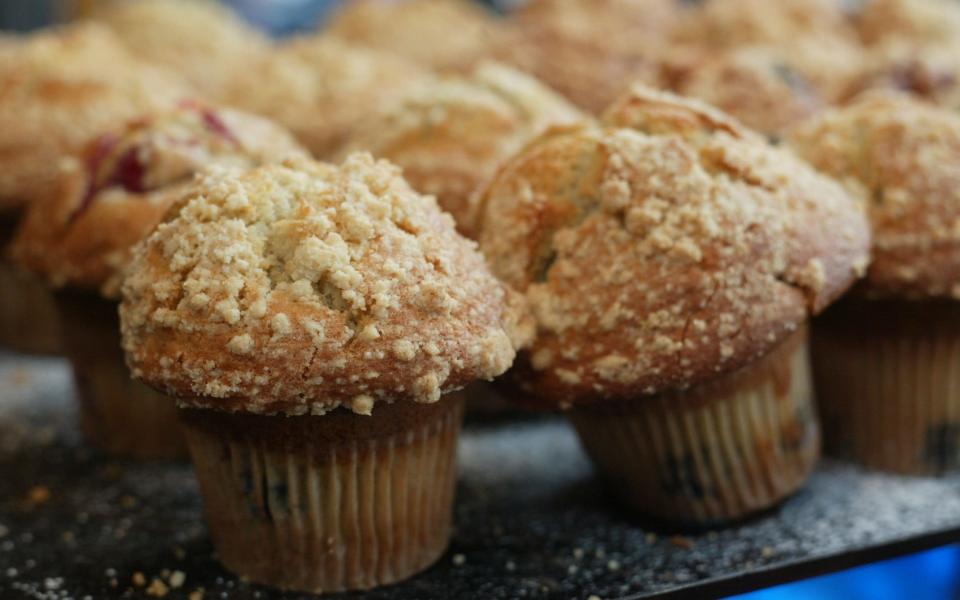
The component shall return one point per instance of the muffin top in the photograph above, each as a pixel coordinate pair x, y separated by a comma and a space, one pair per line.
322, 88
929, 71
588, 50
902, 156
203, 41
756, 84
663, 249
60, 88
727, 23
113, 194
445, 35
300, 287
449, 136
922, 21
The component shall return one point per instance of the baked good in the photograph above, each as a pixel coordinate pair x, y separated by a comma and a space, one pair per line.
449, 136
444, 35
588, 50
322, 88
771, 87
58, 88
203, 41
929, 71
79, 240
671, 258
917, 21
884, 359
311, 321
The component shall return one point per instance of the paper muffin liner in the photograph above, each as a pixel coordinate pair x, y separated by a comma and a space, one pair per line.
28, 316
714, 453
888, 382
328, 503
118, 415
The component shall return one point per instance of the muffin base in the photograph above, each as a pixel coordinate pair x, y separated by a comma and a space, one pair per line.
328, 503
715, 453
887, 376
118, 415
28, 316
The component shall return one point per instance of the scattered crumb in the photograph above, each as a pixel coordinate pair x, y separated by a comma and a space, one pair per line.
767, 552
139, 580
594, 597
196, 594
578, 553
682, 542
157, 588
459, 559
176, 579
613, 565
69, 537
38, 494
651, 538
511, 566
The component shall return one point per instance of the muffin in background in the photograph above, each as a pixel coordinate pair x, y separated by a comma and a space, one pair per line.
79, 240
916, 21
312, 322
449, 136
769, 88
322, 88
928, 71
589, 50
671, 258
729, 23
59, 88
442, 35
203, 41
885, 356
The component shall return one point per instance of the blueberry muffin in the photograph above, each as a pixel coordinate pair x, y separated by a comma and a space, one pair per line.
885, 356
311, 322
79, 240
671, 259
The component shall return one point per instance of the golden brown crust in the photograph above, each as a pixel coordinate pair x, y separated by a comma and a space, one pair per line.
729, 23
302, 287
203, 41
445, 35
58, 89
588, 50
901, 155
112, 195
666, 248
923, 21
449, 136
322, 88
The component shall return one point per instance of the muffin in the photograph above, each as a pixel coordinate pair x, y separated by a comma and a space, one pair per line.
730, 23
443, 35
55, 93
918, 21
884, 356
588, 50
79, 240
449, 136
772, 87
671, 258
203, 41
312, 322
929, 71
322, 88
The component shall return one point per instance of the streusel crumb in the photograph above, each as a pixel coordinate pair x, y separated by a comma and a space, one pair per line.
327, 286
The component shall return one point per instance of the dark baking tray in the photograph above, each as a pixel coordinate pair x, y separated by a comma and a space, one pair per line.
531, 520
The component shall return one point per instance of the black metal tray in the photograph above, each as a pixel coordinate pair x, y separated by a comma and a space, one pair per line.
531, 520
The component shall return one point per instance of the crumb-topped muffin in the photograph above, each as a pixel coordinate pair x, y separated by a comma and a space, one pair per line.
294, 290
445, 35
671, 259
588, 50
450, 135
203, 41
79, 240
917, 21
60, 88
885, 357
322, 88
